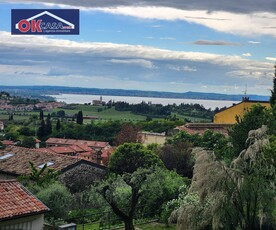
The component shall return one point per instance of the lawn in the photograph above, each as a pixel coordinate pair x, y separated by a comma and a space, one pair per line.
108, 114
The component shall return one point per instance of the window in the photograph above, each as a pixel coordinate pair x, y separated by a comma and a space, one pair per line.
7, 155
48, 164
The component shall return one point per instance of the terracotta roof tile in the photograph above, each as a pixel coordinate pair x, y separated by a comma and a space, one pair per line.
61, 141
18, 162
201, 128
17, 201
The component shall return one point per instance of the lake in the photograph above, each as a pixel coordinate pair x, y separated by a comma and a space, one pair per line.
85, 98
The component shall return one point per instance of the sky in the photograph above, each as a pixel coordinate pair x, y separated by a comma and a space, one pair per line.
175, 46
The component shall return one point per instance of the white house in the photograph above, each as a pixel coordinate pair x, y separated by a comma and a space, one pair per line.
19, 209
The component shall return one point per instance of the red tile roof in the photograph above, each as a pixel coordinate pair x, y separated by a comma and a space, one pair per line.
16, 201
201, 128
62, 149
18, 162
61, 141
8, 142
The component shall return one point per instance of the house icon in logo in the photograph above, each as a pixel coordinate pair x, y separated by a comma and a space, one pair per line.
45, 21
69, 24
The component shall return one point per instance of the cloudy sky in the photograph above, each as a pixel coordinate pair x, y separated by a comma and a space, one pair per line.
177, 45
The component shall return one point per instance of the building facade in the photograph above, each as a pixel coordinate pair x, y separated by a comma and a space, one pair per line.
228, 116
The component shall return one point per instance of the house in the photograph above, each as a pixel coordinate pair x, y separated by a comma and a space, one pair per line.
228, 116
37, 143
19, 209
2, 126
96, 145
80, 151
147, 138
8, 142
73, 171
201, 128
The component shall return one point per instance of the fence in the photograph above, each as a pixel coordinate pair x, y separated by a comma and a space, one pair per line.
100, 221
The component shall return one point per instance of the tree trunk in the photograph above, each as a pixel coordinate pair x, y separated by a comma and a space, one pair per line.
129, 224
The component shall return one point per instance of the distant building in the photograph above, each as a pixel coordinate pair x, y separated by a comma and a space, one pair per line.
98, 102
8, 142
147, 138
201, 128
2, 126
96, 145
228, 116
19, 209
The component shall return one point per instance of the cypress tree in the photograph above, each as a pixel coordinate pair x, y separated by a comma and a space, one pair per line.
48, 128
41, 115
273, 91
58, 126
80, 118
41, 129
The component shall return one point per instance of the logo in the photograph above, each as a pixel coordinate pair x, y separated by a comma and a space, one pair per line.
45, 22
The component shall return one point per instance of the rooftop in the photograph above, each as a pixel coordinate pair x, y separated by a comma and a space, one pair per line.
18, 162
61, 141
16, 201
200, 128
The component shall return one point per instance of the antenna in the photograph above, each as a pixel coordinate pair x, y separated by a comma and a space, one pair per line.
245, 90
245, 98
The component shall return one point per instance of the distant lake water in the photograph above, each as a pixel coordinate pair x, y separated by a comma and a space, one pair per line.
85, 98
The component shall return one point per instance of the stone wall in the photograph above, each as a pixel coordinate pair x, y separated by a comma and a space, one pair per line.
4, 176
81, 177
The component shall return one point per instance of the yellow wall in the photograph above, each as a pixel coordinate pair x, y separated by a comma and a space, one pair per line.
228, 116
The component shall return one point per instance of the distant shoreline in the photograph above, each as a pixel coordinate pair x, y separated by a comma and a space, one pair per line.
39, 91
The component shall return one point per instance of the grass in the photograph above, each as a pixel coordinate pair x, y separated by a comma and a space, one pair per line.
193, 119
108, 114
104, 114
156, 226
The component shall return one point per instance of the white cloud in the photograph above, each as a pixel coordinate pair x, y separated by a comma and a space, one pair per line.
246, 6
241, 24
247, 54
138, 62
167, 38
254, 42
42, 60
271, 59
182, 68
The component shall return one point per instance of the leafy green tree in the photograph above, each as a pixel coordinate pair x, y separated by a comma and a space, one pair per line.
40, 177
239, 196
57, 197
253, 119
28, 142
178, 157
128, 134
79, 118
122, 193
129, 157
61, 113
273, 91
26, 131
160, 187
